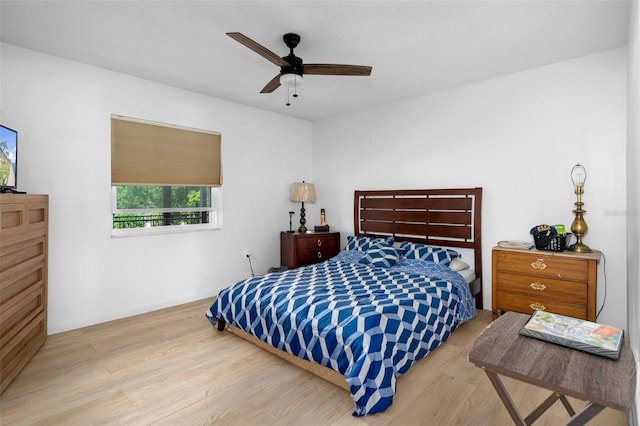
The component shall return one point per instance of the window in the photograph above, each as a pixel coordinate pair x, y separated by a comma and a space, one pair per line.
164, 178
138, 206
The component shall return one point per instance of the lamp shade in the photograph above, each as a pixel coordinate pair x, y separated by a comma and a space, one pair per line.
303, 192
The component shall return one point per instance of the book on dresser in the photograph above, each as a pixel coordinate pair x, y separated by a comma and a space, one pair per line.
575, 333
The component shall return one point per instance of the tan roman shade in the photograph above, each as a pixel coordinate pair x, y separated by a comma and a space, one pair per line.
144, 153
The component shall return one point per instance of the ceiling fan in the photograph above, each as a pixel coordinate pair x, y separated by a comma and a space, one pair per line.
291, 67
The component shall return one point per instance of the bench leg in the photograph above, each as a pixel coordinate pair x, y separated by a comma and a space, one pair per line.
586, 414
566, 404
581, 418
506, 399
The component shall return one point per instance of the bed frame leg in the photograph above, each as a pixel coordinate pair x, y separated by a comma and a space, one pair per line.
221, 325
476, 290
479, 301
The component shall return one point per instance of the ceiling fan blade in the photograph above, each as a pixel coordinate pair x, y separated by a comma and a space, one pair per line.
259, 49
272, 85
336, 69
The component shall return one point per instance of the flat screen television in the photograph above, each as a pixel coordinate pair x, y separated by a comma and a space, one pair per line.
8, 159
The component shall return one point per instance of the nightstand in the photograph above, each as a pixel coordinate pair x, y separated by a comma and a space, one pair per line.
561, 282
304, 249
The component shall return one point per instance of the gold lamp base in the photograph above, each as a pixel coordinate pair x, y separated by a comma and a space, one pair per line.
579, 227
579, 248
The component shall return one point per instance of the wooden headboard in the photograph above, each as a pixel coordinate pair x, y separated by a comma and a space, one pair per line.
442, 217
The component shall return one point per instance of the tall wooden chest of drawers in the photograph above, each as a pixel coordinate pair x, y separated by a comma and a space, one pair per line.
23, 281
561, 282
304, 249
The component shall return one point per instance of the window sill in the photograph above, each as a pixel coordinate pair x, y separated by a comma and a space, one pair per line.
161, 230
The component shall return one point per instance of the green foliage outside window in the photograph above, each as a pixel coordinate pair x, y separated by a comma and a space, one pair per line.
146, 198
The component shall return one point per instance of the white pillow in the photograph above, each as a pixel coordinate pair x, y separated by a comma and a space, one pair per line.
458, 265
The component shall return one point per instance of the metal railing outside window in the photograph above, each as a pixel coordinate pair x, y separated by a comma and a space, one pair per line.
137, 207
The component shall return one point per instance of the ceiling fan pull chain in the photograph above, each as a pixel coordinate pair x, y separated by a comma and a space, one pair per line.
295, 87
288, 103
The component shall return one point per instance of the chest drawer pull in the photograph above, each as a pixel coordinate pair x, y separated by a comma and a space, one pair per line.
319, 243
538, 286
538, 306
319, 255
539, 264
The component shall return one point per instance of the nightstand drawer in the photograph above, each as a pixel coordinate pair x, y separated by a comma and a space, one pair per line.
314, 255
527, 304
543, 265
318, 242
569, 291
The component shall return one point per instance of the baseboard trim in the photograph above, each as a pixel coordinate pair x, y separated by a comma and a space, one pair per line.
156, 305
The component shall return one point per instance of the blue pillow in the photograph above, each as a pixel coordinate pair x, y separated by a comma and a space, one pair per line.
383, 256
431, 253
365, 243
348, 256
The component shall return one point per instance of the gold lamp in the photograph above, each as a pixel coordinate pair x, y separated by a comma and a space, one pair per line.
301, 192
579, 226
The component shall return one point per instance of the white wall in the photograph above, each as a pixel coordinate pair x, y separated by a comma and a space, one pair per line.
633, 195
516, 136
61, 110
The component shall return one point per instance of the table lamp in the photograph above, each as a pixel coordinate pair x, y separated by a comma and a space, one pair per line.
301, 192
579, 226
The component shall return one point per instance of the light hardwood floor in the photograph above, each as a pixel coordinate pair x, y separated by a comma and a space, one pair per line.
173, 367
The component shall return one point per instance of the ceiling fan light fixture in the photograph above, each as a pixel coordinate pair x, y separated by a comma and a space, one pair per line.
291, 66
291, 80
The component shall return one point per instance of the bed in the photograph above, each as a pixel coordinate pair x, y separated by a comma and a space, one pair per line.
362, 318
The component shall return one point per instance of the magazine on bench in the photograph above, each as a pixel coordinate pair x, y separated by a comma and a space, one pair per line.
591, 337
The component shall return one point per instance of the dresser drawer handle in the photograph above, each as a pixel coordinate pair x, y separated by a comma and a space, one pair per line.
538, 307
319, 243
319, 255
539, 264
538, 286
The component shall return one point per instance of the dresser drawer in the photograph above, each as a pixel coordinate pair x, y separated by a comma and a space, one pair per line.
22, 331
543, 265
19, 311
539, 286
17, 351
527, 304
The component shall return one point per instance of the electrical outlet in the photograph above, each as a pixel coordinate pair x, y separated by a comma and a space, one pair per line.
246, 252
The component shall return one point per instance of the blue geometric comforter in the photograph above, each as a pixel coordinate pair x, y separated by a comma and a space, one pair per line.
368, 323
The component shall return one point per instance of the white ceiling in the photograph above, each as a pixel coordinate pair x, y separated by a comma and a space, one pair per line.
415, 48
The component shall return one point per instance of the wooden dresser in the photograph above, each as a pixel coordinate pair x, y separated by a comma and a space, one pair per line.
561, 282
23, 281
304, 249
